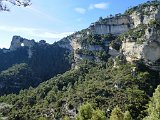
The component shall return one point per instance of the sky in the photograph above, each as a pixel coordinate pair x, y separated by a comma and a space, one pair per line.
52, 20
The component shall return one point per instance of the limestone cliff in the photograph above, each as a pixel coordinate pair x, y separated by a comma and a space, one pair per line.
137, 33
147, 48
137, 29
113, 25
143, 41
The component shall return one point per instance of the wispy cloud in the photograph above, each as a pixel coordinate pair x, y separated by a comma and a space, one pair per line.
17, 29
35, 32
80, 10
102, 5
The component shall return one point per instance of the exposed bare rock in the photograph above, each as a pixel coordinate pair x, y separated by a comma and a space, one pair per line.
18, 42
145, 15
113, 52
132, 50
114, 25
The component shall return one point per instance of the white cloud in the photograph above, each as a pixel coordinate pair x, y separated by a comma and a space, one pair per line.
35, 32
80, 10
102, 5
17, 29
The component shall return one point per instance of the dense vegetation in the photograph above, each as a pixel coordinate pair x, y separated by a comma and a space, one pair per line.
15, 78
49, 60
87, 112
135, 34
102, 55
100, 84
94, 39
154, 106
106, 89
8, 59
46, 62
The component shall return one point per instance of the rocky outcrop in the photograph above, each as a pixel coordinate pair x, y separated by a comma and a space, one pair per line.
18, 42
148, 50
65, 43
75, 44
113, 25
132, 50
69, 110
145, 15
143, 43
152, 51
113, 52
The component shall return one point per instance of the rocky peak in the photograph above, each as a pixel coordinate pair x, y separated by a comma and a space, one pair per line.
18, 42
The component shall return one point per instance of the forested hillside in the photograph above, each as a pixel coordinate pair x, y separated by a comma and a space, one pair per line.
108, 71
100, 84
20, 72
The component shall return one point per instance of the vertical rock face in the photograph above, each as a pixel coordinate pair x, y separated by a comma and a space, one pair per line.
147, 46
142, 41
18, 42
148, 50
114, 25
132, 50
151, 52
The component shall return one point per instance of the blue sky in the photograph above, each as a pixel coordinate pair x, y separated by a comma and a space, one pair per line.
52, 20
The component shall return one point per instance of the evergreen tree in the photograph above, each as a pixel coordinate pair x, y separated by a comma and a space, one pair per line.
116, 114
154, 106
98, 115
127, 116
85, 112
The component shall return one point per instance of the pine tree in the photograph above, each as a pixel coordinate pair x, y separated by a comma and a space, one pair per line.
98, 115
127, 116
85, 112
116, 114
154, 106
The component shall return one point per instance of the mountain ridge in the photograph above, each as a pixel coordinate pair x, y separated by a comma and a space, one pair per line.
109, 69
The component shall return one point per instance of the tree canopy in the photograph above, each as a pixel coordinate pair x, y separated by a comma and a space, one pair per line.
4, 4
154, 106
